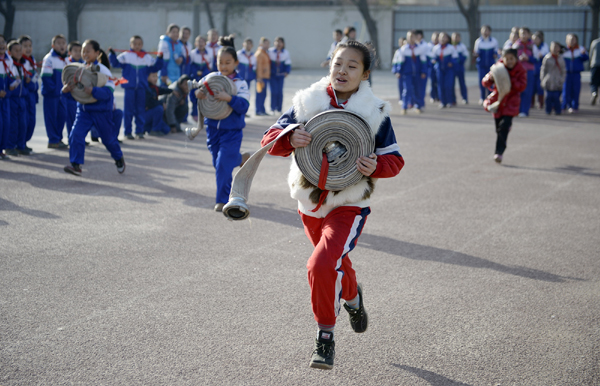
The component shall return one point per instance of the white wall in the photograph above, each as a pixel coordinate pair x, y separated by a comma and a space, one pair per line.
307, 31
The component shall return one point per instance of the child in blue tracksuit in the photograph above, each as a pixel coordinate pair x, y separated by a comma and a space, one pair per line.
18, 102
574, 57
155, 125
33, 99
486, 53
407, 69
213, 46
459, 70
99, 114
200, 66
281, 65
247, 66
186, 49
433, 94
54, 101
224, 137
136, 65
74, 49
540, 50
421, 81
7, 83
172, 53
445, 58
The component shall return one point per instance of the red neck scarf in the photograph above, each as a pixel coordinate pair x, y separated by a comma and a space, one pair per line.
30, 60
412, 51
6, 68
141, 54
248, 56
22, 67
187, 53
213, 46
203, 58
556, 60
442, 52
333, 98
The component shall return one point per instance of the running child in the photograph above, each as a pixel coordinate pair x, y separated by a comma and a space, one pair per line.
540, 50
445, 59
54, 101
31, 67
511, 102
333, 223
524, 47
281, 65
200, 66
98, 114
263, 75
459, 70
224, 137
553, 73
574, 57
485, 51
136, 64
172, 52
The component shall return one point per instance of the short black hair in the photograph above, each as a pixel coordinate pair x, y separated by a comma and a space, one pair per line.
74, 43
510, 51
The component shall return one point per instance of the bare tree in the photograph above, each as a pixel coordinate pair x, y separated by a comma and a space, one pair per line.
363, 7
8, 12
471, 14
211, 21
595, 7
73, 10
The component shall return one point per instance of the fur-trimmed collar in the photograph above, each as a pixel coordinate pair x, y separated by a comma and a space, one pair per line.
314, 100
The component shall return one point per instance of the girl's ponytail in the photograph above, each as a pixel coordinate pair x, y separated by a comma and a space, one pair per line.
103, 58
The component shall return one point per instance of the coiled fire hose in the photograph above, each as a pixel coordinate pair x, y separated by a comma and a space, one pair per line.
82, 76
210, 107
503, 85
339, 138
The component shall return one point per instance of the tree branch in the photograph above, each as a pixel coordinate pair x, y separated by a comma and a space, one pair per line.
461, 7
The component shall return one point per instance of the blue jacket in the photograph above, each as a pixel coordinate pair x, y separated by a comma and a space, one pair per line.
171, 52
239, 103
487, 51
136, 67
281, 62
52, 67
574, 59
199, 64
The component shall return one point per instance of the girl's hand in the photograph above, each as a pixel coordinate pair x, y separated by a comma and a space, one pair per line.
449, 65
423, 76
89, 89
27, 79
2, 93
300, 137
222, 96
164, 79
367, 165
200, 95
179, 61
68, 88
524, 58
398, 75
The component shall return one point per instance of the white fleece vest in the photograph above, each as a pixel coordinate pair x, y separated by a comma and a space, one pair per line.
314, 100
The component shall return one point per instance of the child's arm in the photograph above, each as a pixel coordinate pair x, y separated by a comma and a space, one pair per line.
239, 103
388, 157
288, 64
158, 64
284, 147
48, 82
113, 59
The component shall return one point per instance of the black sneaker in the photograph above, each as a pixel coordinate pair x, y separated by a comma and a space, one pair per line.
140, 136
74, 169
12, 152
594, 98
129, 136
324, 352
359, 320
24, 151
120, 165
156, 133
95, 139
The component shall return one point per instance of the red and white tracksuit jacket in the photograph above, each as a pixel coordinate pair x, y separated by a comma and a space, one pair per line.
334, 226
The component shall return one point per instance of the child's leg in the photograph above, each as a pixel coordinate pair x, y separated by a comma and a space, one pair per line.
83, 124
462, 84
140, 107
503, 125
576, 90
31, 116
434, 85
330, 273
117, 119
71, 111
194, 101
129, 110
549, 102
228, 158
280, 98
400, 88
261, 97
22, 129
16, 122
481, 72
566, 93
106, 129
51, 107
5, 118
526, 94
408, 91
556, 101
421, 91
441, 91
594, 79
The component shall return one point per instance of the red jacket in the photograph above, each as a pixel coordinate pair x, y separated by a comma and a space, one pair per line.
511, 102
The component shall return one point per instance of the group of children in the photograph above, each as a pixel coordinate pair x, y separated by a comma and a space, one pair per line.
443, 60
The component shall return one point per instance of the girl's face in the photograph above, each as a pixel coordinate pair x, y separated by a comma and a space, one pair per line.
185, 35
455, 38
265, 44
213, 36
88, 53
555, 49
434, 38
513, 36
571, 41
524, 35
346, 72
200, 43
537, 40
226, 64
278, 44
174, 33
485, 32
75, 52
60, 46
2, 46
137, 45
510, 61
27, 47
352, 35
248, 46
444, 39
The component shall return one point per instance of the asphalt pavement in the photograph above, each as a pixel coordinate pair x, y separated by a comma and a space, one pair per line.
474, 273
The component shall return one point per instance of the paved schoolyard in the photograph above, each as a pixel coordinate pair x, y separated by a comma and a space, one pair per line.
474, 273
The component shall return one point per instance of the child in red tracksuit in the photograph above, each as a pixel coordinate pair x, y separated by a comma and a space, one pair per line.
333, 221
509, 106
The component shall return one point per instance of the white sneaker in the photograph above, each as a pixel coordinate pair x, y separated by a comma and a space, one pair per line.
522, 115
480, 102
498, 158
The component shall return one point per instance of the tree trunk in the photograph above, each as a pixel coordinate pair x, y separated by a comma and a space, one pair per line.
196, 18
74, 8
595, 15
471, 15
211, 21
363, 8
9, 18
225, 28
